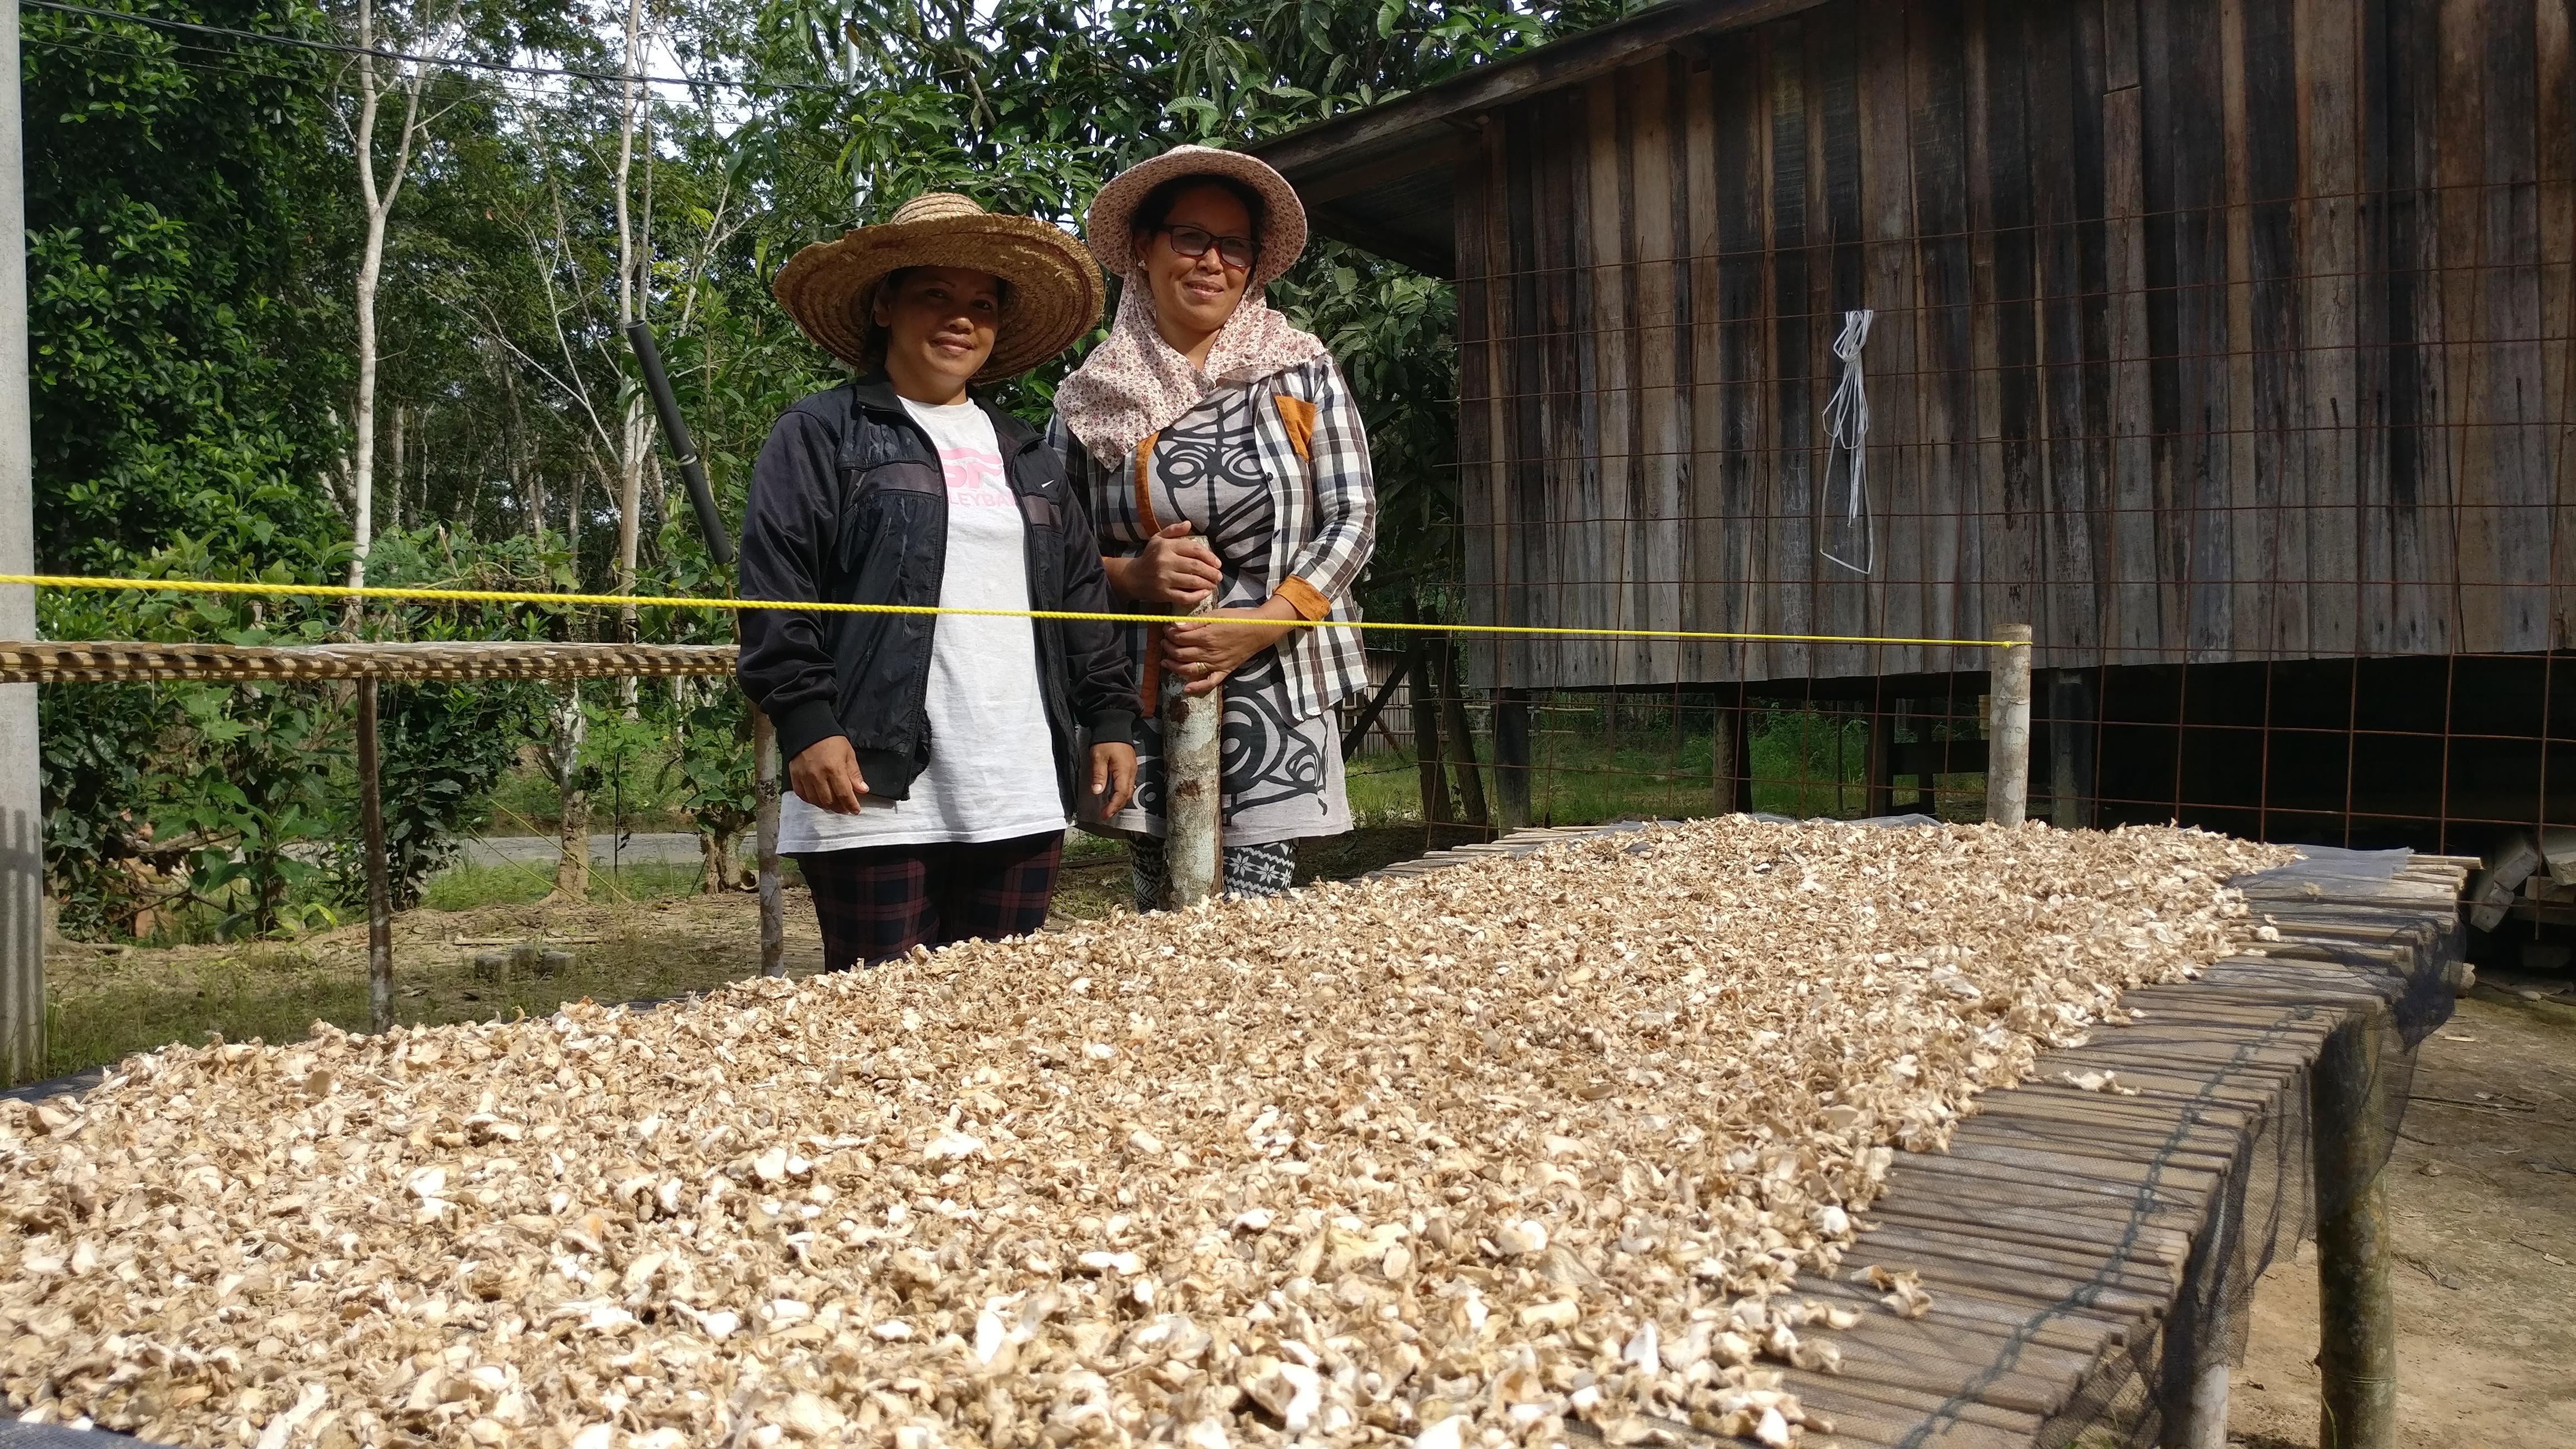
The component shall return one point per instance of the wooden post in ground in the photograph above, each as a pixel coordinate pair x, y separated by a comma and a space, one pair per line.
2070, 726
2008, 729
1512, 756
2348, 1127
1193, 788
1722, 781
1426, 730
1882, 758
1193, 769
773, 903
380, 896
1462, 739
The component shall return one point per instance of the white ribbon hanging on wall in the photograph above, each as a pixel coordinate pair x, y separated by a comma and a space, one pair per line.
1847, 432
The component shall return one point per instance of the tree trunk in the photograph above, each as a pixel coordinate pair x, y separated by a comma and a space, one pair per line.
630, 300
378, 196
715, 857
572, 860
393, 514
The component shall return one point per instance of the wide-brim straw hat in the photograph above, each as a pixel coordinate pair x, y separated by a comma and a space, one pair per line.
830, 288
1106, 228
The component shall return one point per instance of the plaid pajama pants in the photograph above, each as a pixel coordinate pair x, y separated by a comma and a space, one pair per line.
878, 902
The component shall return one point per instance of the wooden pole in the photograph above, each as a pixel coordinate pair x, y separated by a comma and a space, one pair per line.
2348, 1127
1512, 756
2008, 730
1194, 787
1721, 758
1882, 758
1193, 760
1462, 738
2070, 731
773, 902
380, 896
1426, 730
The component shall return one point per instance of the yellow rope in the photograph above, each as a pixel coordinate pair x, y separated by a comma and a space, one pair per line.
515, 596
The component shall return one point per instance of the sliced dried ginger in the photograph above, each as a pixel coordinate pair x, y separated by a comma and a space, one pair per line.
1459, 1157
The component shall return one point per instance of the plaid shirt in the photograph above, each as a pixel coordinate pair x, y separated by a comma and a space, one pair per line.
1314, 451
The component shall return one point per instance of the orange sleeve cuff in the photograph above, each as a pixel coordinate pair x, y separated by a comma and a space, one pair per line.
1301, 596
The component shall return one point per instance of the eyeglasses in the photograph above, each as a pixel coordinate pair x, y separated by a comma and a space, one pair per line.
1193, 242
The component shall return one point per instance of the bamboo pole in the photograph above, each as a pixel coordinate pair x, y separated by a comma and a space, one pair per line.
773, 901
2008, 730
380, 903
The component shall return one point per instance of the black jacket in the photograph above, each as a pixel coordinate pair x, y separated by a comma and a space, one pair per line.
848, 506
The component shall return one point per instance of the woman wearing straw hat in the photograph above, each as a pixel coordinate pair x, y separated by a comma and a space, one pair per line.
934, 758
1222, 454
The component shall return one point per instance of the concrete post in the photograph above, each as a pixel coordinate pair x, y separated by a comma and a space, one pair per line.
22, 832
2008, 729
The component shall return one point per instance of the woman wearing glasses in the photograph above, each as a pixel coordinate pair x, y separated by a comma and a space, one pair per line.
1223, 455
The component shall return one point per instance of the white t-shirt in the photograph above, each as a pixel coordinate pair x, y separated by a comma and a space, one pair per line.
991, 774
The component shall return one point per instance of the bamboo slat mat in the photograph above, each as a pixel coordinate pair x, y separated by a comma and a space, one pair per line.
2055, 1233
119, 661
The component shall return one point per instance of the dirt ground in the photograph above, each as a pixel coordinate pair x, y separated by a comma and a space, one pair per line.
2482, 1190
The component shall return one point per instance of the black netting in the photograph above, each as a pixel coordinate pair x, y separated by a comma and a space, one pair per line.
2278, 1187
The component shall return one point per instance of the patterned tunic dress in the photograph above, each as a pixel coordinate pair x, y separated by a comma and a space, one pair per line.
1283, 775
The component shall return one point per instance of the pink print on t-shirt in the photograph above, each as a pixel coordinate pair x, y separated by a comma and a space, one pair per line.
975, 479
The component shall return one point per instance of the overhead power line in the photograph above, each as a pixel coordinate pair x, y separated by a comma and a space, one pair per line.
338, 48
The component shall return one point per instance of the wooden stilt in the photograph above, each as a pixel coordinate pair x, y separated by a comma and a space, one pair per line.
1721, 759
2348, 1126
1461, 738
1426, 732
2070, 737
2008, 730
1882, 760
1512, 756
773, 902
1193, 762
380, 900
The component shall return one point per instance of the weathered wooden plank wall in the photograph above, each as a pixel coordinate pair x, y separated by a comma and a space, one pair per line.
2207, 330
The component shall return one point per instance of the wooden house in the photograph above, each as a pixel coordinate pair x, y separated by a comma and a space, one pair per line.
2224, 342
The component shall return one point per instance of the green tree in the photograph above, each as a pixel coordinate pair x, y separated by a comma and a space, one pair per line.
184, 249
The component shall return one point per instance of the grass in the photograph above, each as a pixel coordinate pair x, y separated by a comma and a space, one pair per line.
466, 886
1805, 764
102, 1010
